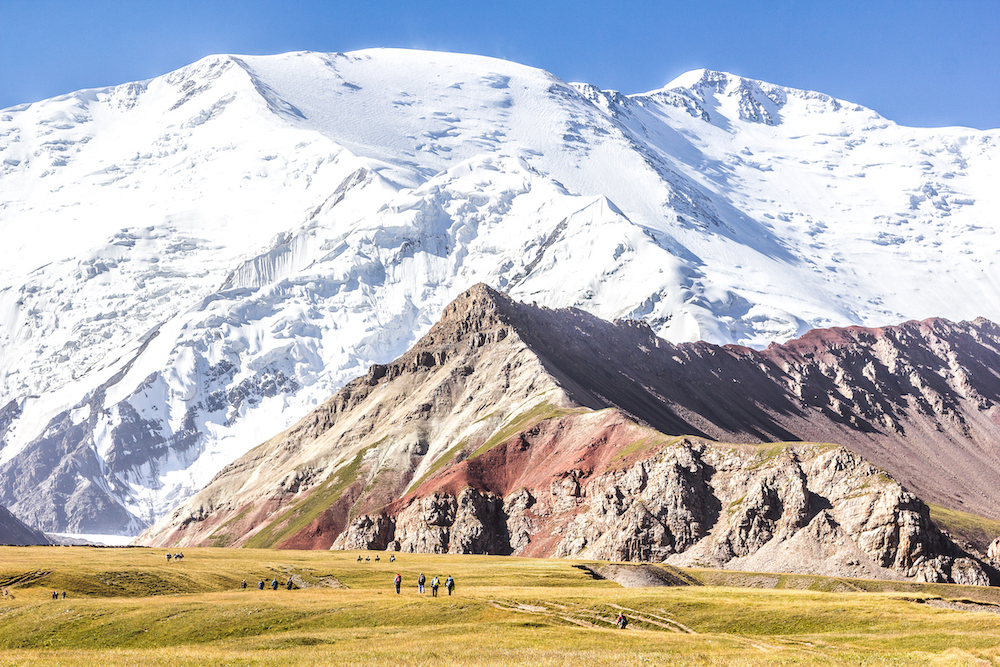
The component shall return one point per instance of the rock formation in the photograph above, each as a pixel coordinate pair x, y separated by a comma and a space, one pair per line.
515, 429
808, 509
12, 531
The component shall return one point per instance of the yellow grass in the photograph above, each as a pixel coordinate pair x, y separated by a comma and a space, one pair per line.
129, 607
972, 528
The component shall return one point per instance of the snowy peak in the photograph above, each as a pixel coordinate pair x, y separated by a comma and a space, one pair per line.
195, 261
713, 95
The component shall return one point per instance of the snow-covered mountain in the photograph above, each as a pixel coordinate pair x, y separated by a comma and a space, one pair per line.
193, 262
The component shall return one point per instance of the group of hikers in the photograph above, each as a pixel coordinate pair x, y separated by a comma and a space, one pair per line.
177, 556
449, 583
422, 583
274, 584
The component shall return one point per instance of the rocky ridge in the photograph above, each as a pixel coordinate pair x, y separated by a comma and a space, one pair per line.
516, 429
362, 448
806, 509
12, 531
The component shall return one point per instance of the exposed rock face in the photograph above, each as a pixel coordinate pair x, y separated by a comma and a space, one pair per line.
12, 531
494, 435
364, 447
993, 551
921, 400
805, 509
655, 508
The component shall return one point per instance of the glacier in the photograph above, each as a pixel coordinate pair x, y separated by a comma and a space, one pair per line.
194, 261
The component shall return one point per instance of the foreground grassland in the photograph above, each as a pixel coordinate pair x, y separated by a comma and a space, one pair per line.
129, 607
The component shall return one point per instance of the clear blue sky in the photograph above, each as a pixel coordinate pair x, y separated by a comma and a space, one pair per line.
917, 62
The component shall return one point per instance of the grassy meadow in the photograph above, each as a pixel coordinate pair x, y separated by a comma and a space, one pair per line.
131, 607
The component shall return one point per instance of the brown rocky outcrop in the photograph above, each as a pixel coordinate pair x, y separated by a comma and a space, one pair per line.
362, 448
516, 429
807, 509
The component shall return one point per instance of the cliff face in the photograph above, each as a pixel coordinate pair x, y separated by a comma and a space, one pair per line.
516, 429
811, 509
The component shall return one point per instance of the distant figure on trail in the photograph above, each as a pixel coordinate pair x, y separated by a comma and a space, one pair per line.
399, 582
420, 582
621, 621
260, 585
289, 584
169, 556
274, 584
359, 558
392, 558
434, 586
244, 584
55, 596
64, 595
368, 559
376, 559
449, 583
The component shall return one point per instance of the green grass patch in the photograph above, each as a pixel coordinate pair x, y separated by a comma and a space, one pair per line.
525, 420
653, 441
972, 528
307, 510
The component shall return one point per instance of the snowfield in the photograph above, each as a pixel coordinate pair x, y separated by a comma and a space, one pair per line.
192, 262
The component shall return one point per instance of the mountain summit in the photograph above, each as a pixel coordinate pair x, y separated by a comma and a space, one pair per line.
512, 428
195, 261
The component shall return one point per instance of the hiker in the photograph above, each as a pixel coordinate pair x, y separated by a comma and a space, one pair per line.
169, 557
420, 582
368, 559
64, 595
392, 558
621, 621
260, 585
434, 586
449, 583
244, 584
359, 558
55, 596
376, 559
399, 582
274, 584
289, 584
